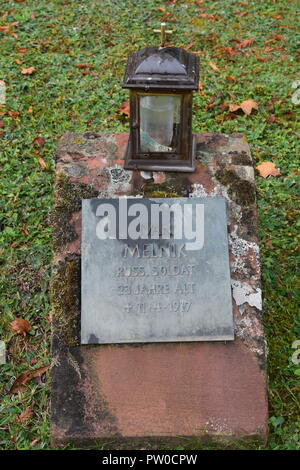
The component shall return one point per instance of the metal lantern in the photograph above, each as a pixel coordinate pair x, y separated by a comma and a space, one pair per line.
161, 82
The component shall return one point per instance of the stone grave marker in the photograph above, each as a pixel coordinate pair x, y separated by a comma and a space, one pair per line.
126, 365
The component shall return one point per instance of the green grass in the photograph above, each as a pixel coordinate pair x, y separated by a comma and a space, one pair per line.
60, 97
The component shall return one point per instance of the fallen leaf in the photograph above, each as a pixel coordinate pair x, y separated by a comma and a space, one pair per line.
39, 142
200, 85
14, 114
125, 108
189, 46
30, 110
21, 326
277, 37
1, 123
264, 59
7, 29
228, 50
19, 62
28, 71
266, 169
248, 105
234, 107
206, 15
42, 163
34, 442
231, 79
213, 66
23, 379
22, 50
24, 416
246, 43
85, 65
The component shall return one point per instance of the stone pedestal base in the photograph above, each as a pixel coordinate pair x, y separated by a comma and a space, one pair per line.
166, 390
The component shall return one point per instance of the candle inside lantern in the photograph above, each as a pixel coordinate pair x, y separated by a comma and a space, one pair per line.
159, 123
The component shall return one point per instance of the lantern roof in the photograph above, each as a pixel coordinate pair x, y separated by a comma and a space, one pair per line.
162, 68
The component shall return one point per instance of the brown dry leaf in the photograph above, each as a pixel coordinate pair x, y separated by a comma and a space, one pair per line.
19, 61
228, 50
246, 43
28, 71
23, 379
125, 108
189, 46
22, 50
264, 59
207, 16
248, 105
7, 29
14, 114
234, 107
24, 416
277, 37
231, 79
42, 163
213, 66
1, 123
21, 326
30, 110
85, 65
39, 142
199, 52
266, 169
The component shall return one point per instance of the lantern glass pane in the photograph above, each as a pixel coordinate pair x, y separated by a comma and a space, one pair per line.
159, 123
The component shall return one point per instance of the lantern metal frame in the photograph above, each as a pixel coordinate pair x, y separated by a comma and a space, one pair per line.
157, 71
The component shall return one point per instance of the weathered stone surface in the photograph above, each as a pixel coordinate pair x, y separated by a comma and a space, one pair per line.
156, 390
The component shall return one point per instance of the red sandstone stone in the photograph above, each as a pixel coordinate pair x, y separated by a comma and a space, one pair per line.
165, 390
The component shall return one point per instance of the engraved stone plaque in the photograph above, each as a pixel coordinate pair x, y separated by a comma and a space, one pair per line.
155, 270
